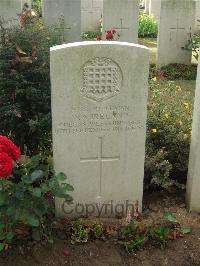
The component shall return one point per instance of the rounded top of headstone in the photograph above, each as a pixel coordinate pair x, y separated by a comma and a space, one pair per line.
90, 43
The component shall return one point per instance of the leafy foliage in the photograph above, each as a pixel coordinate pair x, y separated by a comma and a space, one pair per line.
37, 6
25, 82
193, 45
168, 135
148, 26
177, 72
132, 235
83, 231
89, 35
27, 200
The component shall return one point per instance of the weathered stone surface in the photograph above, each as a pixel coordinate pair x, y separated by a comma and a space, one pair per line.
193, 182
99, 102
91, 13
122, 16
10, 9
69, 11
154, 8
146, 6
176, 25
197, 16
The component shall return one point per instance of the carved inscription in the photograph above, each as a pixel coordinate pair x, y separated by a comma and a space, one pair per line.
99, 119
102, 79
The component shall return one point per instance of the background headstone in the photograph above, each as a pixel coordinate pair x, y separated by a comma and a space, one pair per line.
99, 107
197, 16
154, 8
176, 26
91, 12
67, 10
146, 6
10, 9
122, 16
193, 182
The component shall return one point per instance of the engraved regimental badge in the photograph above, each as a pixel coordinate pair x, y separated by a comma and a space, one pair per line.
102, 79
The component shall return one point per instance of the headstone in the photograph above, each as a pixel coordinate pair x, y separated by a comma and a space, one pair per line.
10, 9
175, 29
146, 6
193, 182
67, 11
197, 16
122, 16
91, 12
154, 8
99, 106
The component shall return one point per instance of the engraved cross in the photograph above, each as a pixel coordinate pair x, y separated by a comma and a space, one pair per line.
177, 29
121, 28
100, 158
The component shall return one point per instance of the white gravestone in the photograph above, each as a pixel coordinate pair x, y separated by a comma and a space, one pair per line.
146, 6
197, 16
193, 183
11, 9
175, 29
91, 13
99, 106
154, 8
69, 11
122, 16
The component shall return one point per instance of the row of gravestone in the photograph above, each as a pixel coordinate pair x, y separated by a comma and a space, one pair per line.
177, 19
125, 20
99, 108
153, 7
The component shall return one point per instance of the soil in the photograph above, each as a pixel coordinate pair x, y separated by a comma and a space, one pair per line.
180, 252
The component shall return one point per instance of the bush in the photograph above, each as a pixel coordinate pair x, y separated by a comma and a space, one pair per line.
148, 26
174, 72
37, 6
193, 45
168, 135
89, 35
25, 82
27, 195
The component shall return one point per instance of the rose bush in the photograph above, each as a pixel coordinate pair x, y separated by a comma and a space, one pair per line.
28, 186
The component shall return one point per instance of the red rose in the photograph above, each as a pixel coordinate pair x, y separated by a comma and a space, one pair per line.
99, 38
10, 148
109, 36
113, 31
6, 165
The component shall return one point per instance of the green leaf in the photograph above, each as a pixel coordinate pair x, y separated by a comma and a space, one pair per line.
36, 235
37, 192
33, 221
170, 217
26, 179
68, 187
2, 226
37, 174
185, 231
2, 246
2, 198
68, 198
9, 236
61, 177
10, 211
